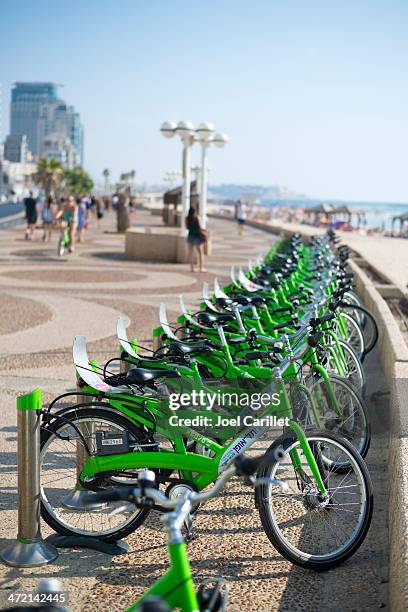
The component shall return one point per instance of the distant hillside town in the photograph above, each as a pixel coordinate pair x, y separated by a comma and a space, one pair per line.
252, 193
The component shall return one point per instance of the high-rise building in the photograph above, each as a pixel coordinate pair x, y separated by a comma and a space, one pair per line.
26, 101
57, 118
59, 147
77, 135
50, 125
16, 149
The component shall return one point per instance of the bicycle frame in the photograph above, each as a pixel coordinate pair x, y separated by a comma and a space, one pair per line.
176, 586
202, 470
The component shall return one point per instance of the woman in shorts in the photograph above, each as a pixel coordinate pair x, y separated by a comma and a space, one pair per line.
195, 239
47, 217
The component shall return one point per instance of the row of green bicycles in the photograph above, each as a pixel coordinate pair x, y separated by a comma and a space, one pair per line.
264, 381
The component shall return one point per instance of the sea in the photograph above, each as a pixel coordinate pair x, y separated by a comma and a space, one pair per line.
378, 214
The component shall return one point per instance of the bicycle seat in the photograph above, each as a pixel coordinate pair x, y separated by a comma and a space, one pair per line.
187, 348
229, 304
251, 299
142, 376
207, 318
223, 302
242, 299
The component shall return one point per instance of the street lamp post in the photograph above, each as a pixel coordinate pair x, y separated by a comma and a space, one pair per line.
206, 136
185, 130
205, 133
196, 170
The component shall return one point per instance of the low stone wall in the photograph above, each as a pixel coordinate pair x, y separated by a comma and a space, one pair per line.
166, 244
394, 357
398, 491
154, 244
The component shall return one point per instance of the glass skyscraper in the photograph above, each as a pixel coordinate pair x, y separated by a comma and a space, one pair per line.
26, 101
38, 113
57, 119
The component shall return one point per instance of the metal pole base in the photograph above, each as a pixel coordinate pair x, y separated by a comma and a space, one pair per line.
109, 548
75, 501
33, 554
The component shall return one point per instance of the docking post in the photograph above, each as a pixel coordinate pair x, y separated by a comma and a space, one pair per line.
29, 550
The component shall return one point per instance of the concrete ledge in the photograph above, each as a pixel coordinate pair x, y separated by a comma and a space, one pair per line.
394, 357
398, 492
155, 244
167, 244
389, 291
391, 342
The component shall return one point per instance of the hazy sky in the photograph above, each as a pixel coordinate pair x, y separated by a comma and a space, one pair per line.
313, 95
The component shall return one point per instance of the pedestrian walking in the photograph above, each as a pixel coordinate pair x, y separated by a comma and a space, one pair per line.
100, 211
196, 239
241, 215
31, 213
83, 214
47, 217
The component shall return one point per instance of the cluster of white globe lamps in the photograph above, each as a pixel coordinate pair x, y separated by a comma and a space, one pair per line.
206, 136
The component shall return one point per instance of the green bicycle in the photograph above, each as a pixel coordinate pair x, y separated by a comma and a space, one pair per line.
106, 444
64, 242
175, 589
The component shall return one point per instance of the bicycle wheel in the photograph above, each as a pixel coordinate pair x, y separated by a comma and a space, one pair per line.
352, 297
354, 370
349, 419
367, 323
308, 530
61, 247
62, 451
354, 335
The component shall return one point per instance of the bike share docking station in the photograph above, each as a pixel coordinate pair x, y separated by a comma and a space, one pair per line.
30, 549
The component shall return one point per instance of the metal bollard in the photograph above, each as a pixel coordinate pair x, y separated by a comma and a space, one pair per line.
29, 550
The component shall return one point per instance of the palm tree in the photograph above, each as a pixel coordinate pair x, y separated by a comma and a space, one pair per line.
78, 182
49, 175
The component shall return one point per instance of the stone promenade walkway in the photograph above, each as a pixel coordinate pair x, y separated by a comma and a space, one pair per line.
44, 301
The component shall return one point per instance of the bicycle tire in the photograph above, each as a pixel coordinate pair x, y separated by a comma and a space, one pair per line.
359, 379
346, 385
277, 451
61, 247
89, 413
371, 341
356, 339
